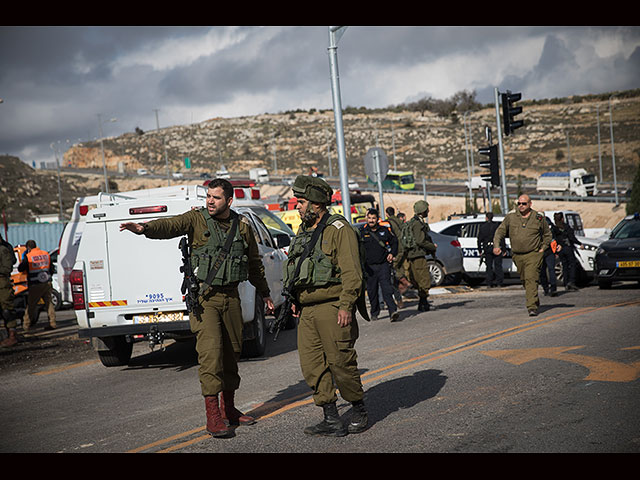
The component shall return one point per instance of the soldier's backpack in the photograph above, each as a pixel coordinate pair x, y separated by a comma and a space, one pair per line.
407, 239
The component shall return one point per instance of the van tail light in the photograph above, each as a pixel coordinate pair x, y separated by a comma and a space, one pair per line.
238, 193
77, 289
455, 243
255, 194
84, 209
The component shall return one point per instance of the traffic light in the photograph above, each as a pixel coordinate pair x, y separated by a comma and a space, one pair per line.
509, 112
492, 164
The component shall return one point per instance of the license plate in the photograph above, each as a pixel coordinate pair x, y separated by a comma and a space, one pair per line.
634, 263
158, 317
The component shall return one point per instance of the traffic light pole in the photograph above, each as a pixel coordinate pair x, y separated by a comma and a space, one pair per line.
504, 206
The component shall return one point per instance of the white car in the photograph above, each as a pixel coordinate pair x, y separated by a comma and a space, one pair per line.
177, 175
127, 288
466, 228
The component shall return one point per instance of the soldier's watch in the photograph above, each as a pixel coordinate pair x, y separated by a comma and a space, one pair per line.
144, 228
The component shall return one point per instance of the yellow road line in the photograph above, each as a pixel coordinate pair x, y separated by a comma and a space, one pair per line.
395, 368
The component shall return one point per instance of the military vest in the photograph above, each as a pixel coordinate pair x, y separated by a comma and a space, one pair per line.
408, 238
234, 268
316, 270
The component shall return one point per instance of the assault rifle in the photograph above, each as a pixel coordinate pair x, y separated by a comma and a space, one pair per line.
190, 287
284, 315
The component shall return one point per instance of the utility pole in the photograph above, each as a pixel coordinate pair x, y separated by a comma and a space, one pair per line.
334, 37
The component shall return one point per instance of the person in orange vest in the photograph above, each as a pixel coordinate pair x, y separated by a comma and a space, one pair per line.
37, 263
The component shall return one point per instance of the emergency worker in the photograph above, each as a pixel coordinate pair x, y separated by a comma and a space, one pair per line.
416, 245
37, 263
218, 326
7, 309
530, 237
327, 289
381, 247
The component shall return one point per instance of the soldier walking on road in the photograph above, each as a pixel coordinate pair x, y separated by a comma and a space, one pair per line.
530, 237
416, 245
328, 287
218, 326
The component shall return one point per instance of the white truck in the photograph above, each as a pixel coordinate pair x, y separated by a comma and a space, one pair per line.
573, 182
127, 288
259, 175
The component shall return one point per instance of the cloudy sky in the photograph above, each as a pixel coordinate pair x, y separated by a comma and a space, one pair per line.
55, 81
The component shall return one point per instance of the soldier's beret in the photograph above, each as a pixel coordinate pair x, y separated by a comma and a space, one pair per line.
314, 189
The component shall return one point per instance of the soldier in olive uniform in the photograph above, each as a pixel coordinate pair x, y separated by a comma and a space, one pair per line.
327, 289
218, 327
7, 309
416, 244
530, 237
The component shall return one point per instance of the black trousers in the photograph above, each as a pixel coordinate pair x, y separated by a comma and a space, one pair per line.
495, 274
379, 275
548, 273
568, 259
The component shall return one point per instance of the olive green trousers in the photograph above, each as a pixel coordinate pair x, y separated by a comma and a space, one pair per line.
528, 265
419, 276
6, 300
218, 332
327, 353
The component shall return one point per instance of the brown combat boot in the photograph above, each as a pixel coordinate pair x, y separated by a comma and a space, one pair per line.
215, 425
231, 413
11, 340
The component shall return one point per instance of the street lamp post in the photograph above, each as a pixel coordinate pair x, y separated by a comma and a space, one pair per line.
334, 36
613, 153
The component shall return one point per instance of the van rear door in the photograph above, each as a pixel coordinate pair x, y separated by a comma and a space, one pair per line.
144, 272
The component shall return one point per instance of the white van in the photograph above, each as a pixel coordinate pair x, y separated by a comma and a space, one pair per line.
72, 233
127, 288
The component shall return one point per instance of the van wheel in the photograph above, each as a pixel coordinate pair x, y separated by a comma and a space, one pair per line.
56, 299
256, 346
118, 351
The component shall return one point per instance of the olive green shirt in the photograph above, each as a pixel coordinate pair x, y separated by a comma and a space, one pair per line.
7, 258
424, 244
527, 234
339, 242
194, 225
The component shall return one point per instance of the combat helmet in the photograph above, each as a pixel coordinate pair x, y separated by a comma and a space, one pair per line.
314, 189
420, 207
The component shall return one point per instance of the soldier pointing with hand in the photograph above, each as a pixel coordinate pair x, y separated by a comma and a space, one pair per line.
218, 327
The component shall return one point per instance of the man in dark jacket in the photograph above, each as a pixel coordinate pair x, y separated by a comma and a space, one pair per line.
381, 246
495, 274
567, 242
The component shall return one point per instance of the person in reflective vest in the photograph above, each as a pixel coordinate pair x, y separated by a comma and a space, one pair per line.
39, 268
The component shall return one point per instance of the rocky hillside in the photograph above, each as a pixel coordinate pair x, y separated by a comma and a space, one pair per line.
428, 144
423, 142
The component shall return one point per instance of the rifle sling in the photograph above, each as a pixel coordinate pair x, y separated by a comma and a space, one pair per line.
223, 253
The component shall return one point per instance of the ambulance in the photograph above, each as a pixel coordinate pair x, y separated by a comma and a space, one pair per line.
126, 288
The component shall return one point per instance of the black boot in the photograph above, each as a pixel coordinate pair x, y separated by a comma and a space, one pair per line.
359, 418
331, 426
423, 305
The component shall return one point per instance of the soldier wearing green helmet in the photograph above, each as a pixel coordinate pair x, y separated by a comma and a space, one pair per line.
328, 287
416, 244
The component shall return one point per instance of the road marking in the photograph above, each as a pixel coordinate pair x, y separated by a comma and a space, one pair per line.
600, 369
67, 367
390, 370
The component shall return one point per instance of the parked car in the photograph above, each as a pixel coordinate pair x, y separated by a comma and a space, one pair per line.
448, 262
618, 258
466, 229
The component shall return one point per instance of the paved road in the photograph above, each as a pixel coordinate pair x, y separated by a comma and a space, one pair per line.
475, 375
